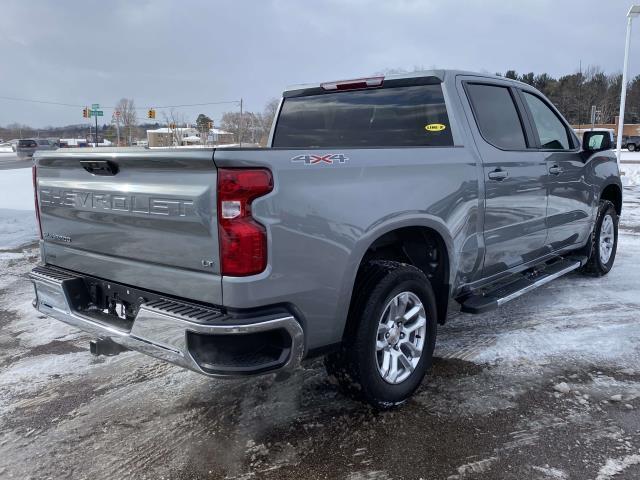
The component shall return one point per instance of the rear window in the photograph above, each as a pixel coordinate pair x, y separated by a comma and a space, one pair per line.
413, 116
496, 116
27, 143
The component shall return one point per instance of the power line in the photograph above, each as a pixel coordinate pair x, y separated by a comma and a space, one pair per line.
40, 101
48, 102
192, 104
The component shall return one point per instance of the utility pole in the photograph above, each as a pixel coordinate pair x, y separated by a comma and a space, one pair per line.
96, 144
118, 125
634, 11
580, 98
240, 125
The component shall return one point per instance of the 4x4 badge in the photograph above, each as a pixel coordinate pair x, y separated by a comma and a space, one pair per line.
328, 159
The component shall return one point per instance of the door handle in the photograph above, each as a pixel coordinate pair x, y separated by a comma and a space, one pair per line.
498, 174
555, 170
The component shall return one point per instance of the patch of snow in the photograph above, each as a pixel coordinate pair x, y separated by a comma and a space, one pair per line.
17, 189
615, 466
631, 174
370, 475
630, 168
17, 228
473, 468
30, 374
551, 472
627, 156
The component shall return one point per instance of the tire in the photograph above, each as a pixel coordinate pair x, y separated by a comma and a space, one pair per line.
375, 342
631, 147
605, 231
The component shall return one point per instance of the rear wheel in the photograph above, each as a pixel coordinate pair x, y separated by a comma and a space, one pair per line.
391, 342
631, 147
604, 241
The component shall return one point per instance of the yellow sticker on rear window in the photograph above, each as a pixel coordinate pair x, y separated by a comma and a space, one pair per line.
435, 127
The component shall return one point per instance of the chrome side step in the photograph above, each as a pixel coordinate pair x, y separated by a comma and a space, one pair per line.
525, 282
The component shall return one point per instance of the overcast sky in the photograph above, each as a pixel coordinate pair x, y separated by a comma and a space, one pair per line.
165, 52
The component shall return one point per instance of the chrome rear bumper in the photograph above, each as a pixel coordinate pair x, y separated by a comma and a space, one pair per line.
156, 331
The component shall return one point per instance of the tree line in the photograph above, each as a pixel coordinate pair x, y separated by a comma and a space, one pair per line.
576, 93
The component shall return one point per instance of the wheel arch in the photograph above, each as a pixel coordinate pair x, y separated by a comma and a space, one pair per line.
400, 241
613, 193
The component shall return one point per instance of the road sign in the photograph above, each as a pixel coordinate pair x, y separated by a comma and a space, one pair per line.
97, 113
95, 106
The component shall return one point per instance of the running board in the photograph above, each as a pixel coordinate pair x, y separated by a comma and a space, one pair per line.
529, 280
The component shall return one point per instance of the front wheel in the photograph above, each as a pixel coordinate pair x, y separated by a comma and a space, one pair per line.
631, 147
604, 241
392, 335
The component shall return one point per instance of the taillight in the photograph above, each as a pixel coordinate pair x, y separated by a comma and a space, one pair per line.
243, 241
34, 176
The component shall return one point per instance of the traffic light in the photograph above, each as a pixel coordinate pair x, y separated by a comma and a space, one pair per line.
151, 113
85, 112
209, 125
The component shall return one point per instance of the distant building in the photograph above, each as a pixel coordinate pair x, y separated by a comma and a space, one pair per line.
217, 136
73, 142
82, 142
629, 128
181, 136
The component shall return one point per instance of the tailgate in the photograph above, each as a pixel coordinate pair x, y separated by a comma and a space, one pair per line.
141, 218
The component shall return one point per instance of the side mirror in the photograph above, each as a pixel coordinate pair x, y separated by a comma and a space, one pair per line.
596, 141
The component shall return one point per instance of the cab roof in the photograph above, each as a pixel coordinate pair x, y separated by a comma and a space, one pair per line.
440, 75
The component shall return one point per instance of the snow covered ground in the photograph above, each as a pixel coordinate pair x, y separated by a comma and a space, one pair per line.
17, 216
630, 167
16, 189
547, 387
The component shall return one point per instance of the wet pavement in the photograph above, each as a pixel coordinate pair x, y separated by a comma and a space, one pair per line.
547, 387
9, 161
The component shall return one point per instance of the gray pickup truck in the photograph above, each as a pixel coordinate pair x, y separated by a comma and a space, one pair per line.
377, 201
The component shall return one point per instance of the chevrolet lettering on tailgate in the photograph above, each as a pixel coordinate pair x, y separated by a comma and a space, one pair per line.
145, 204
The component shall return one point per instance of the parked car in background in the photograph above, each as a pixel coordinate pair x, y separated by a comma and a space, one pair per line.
27, 146
631, 142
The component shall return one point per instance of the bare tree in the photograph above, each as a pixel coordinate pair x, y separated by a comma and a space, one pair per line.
231, 122
266, 118
176, 123
127, 117
255, 127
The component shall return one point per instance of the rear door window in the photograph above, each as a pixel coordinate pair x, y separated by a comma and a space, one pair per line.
496, 116
410, 116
